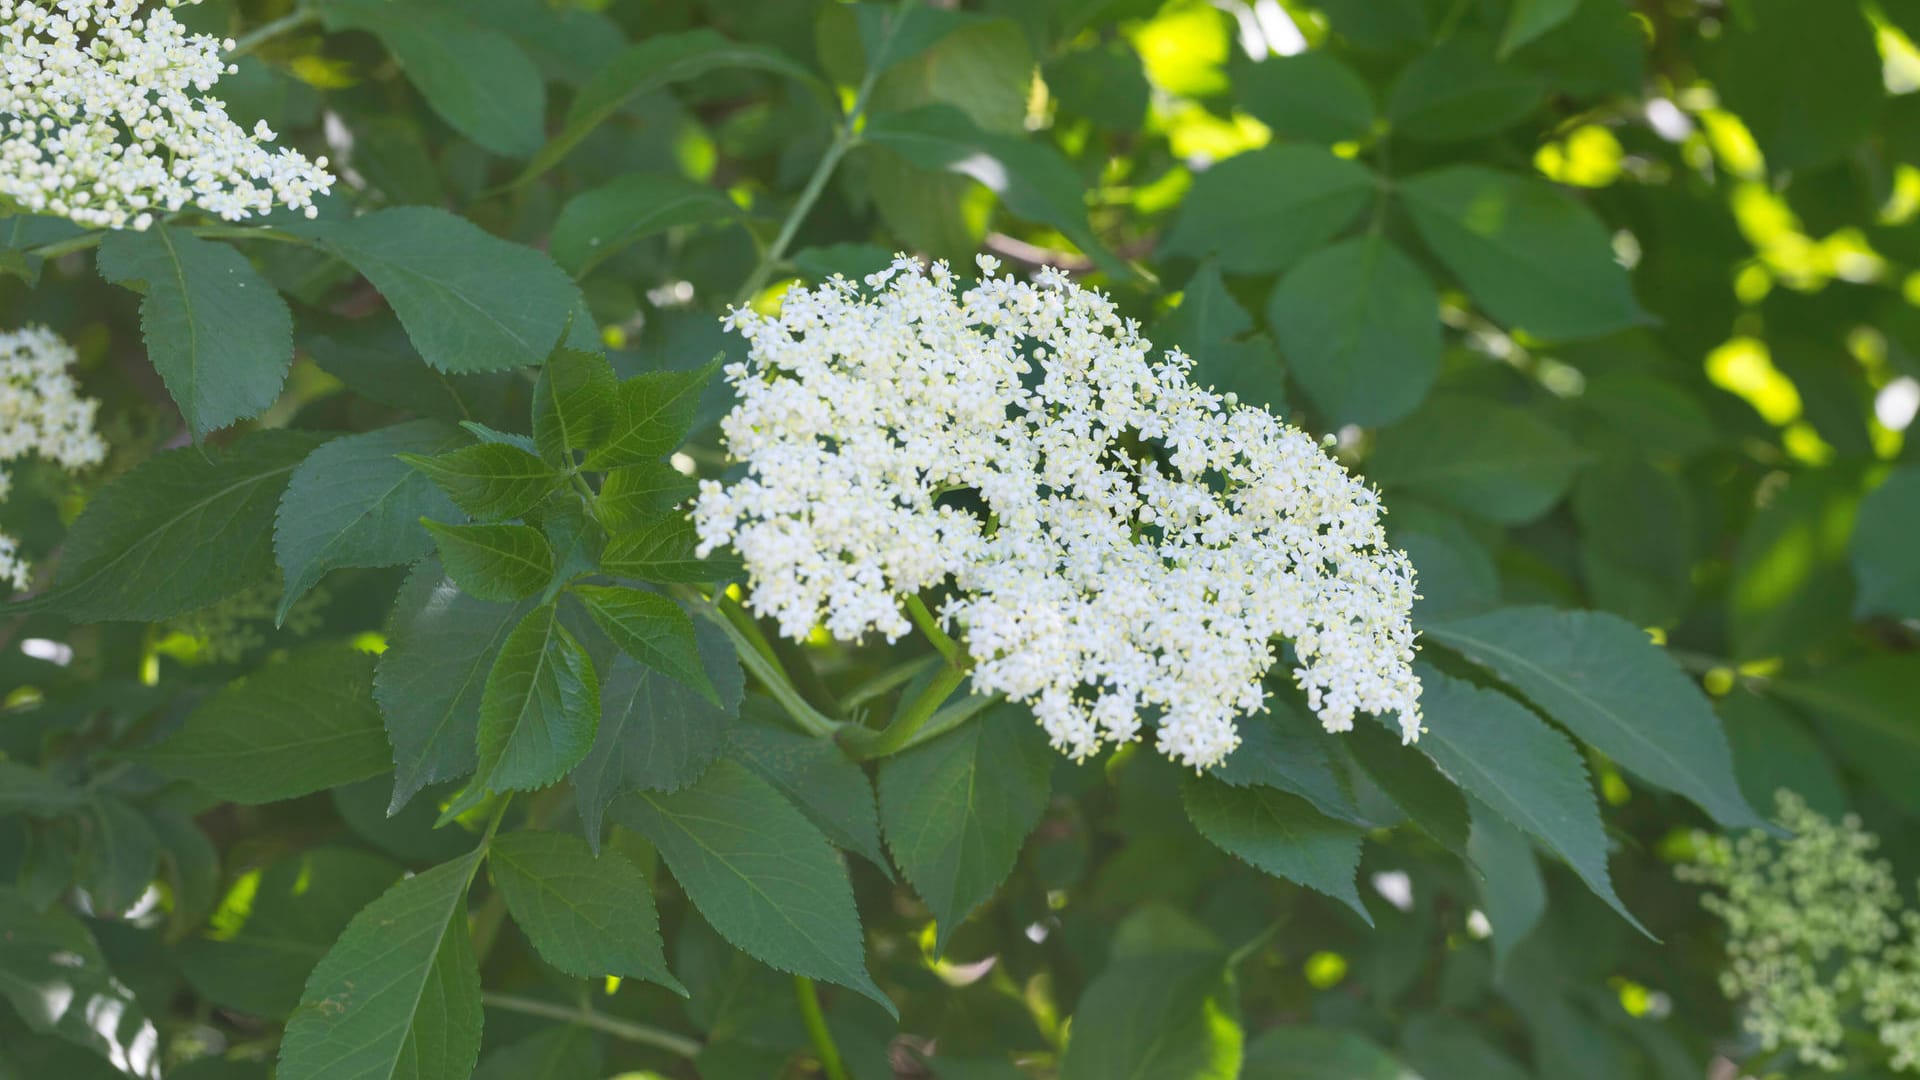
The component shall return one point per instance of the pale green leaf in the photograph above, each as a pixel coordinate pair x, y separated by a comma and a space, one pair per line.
540, 708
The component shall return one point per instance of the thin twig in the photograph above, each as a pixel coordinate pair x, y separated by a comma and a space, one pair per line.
645, 1034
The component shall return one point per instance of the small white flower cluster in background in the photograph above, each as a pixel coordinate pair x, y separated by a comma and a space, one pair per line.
1813, 926
106, 119
41, 412
1143, 542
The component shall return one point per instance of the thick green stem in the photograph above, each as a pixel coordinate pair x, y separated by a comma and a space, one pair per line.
951, 717
949, 649
816, 1022
266, 32
646, 1035
865, 743
760, 662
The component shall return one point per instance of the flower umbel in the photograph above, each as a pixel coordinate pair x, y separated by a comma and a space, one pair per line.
108, 119
1120, 544
1812, 928
41, 412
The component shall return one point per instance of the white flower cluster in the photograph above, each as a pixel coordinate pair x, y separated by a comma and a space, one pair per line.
1812, 936
1120, 544
107, 120
41, 412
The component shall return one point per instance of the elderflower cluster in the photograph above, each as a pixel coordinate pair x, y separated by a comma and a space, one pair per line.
1813, 923
41, 412
108, 119
1119, 544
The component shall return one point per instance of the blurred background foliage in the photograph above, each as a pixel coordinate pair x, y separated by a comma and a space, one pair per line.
1619, 304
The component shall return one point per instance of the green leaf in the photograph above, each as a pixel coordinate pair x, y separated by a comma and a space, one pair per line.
441, 643
469, 300
119, 855
1104, 83
1772, 749
289, 914
655, 412
352, 502
555, 1053
26, 790
1157, 1015
1513, 895
660, 60
1790, 590
1458, 90
1443, 1047
494, 562
1530, 255
218, 334
650, 628
1805, 77
1491, 460
759, 873
1360, 327
1278, 834
587, 916
1283, 748
655, 733
1598, 675
1033, 180
1409, 781
663, 552
1263, 210
475, 77
818, 778
1886, 574
285, 730
373, 357
1644, 575
597, 224
1523, 770
1207, 318
1866, 713
575, 404
1528, 19
540, 707
398, 996
1320, 1053
59, 983
1311, 96
893, 35
491, 481
957, 810
139, 549
636, 495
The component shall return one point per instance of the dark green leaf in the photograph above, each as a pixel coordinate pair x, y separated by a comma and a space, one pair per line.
399, 994
1607, 683
441, 645
352, 502
1884, 567
217, 333
285, 730
1425, 795
290, 914
26, 790
1280, 834
491, 481
759, 872
1772, 749
475, 77
1531, 256
1157, 1015
1805, 77
595, 225
1311, 96
637, 495
1263, 210
540, 708
1491, 460
470, 301
655, 412
1359, 324
119, 854
1865, 709
494, 562
957, 810
1528, 19
1513, 895
1320, 1053
818, 778
663, 552
139, 550
1283, 748
587, 916
1207, 318
575, 404
1458, 90
565, 1052
1033, 180
1791, 590
650, 628
1644, 575
656, 734
56, 978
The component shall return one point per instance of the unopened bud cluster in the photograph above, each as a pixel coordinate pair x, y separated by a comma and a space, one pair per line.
1814, 944
1119, 544
106, 118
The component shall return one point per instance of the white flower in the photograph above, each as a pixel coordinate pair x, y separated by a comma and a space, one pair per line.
1120, 545
106, 119
41, 412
